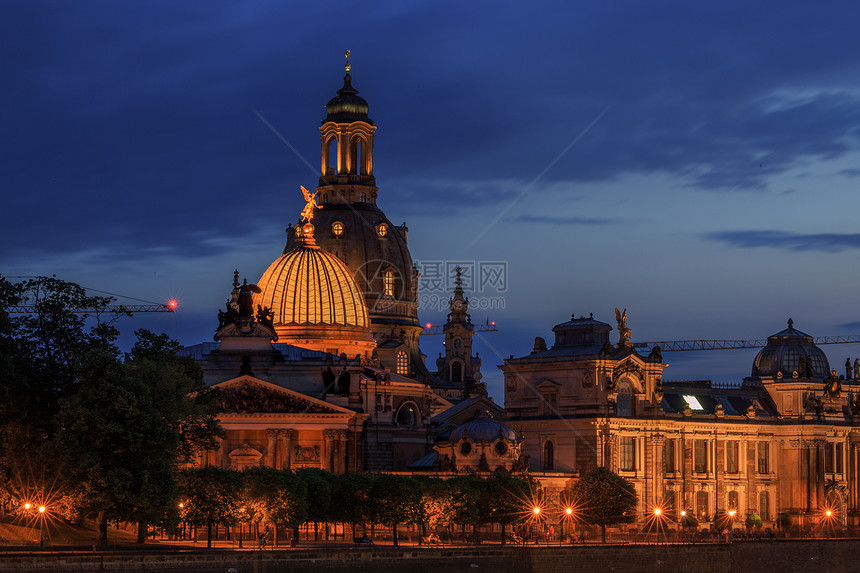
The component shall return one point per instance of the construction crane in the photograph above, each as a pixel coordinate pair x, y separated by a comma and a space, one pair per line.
690, 345
170, 306
150, 306
439, 328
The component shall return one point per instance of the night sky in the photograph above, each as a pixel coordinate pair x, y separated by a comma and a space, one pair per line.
696, 163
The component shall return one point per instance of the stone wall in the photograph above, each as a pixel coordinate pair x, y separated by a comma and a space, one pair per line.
783, 556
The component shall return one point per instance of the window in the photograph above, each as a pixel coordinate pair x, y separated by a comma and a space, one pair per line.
456, 371
388, 282
669, 503
331, 156
764, 506
382, 230
500, 447
403, 363
837, 457
337, 229
407, 415
700, 456
763, 454
669, 456
466, 448
550, 404
624, 404
548, 456
733, 500
627, 453
702, 505
732, 457
828, 458
693, 402
362, 197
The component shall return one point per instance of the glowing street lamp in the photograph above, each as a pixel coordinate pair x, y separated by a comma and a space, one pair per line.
27, 505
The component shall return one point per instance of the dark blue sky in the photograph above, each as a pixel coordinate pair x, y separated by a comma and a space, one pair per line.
696, 163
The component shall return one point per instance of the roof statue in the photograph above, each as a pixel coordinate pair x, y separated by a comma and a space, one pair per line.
346, 67
310, 205
623, 331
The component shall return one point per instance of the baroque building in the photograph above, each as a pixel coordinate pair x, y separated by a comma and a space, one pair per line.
782, 441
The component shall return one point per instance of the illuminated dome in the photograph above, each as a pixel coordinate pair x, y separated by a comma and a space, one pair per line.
316, 302
784, 352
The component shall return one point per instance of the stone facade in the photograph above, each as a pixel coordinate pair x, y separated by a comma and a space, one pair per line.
776, 443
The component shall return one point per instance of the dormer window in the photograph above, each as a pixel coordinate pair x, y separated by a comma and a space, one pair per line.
382, 230
337, 229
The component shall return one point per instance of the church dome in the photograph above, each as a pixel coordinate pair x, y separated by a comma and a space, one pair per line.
483, 429
347, 106
315, 300
790, 351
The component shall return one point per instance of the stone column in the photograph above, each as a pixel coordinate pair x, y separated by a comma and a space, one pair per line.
287, 437
272, 436
327, 459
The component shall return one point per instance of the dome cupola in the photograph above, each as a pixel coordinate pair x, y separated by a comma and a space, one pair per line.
314, 299
347, 106
790, 351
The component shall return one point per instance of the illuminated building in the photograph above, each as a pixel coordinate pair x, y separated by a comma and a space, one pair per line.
784, 440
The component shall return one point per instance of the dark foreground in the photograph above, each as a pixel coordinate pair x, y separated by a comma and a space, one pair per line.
781, 556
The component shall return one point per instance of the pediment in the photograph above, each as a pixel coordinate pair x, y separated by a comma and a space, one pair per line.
547, 384
250, 395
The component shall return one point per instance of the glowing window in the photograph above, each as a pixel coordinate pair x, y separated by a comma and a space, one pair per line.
402, 363
382, 230
337, 229
693, 403
388, 282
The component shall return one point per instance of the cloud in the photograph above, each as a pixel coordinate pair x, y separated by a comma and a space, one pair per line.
852, 325
827, 242
564, 220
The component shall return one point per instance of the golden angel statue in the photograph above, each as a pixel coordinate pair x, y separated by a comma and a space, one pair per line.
625, 332
310, 205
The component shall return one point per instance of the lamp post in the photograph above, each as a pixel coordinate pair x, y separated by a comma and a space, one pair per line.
41, 525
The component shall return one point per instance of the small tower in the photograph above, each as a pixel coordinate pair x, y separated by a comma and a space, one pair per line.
346, 135
458, 366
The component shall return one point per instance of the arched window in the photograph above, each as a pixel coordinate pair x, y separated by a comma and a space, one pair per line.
764, 506
362, 197
456, 371
548, 456
733, 500
331, 156
403, 363
388, 282
408, 415
624, 404
337, 229
357, 158
702, 505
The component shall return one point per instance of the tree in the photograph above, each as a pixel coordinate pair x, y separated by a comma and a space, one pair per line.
42, 356
471, 502
318, 484
606, 498
211, 495
397, 500
509, 498
281, 496
350, 498
130, 424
